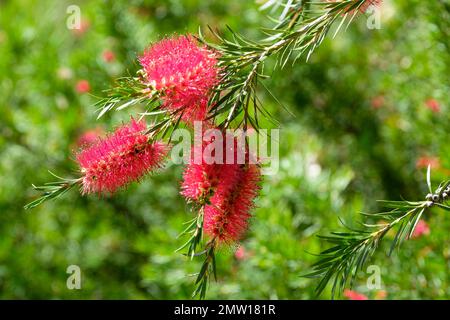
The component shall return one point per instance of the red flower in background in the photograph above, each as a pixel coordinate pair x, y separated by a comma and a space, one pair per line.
83, 86
421, 229
377, 102
108, 56
119, 159
424, 162
185, 72
89, 137
241, 253
82, 28
353, 295
433, 105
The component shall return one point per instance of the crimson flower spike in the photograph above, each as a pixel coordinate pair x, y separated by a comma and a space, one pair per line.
224, 195
110, 163
226, 216
123, 157
184, 72
224, 191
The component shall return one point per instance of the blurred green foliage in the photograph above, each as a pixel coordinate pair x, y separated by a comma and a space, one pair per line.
362, 131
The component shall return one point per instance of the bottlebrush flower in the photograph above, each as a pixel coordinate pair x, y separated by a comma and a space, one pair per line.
201, 176
226, 191
185, 72
226, 216
199, 179
125, 156
421, 229
353, 295
83, 86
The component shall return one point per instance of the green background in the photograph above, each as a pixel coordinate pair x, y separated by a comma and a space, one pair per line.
361, 124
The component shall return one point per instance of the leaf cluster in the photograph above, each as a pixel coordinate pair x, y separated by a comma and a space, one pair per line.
350, 250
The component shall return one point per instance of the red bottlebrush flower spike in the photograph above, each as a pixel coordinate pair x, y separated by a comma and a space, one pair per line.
199, 182
226, 217
184, 72
225, 191
123, 157
199, 179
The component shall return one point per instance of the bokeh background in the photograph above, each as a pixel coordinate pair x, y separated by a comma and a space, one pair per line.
371, 112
